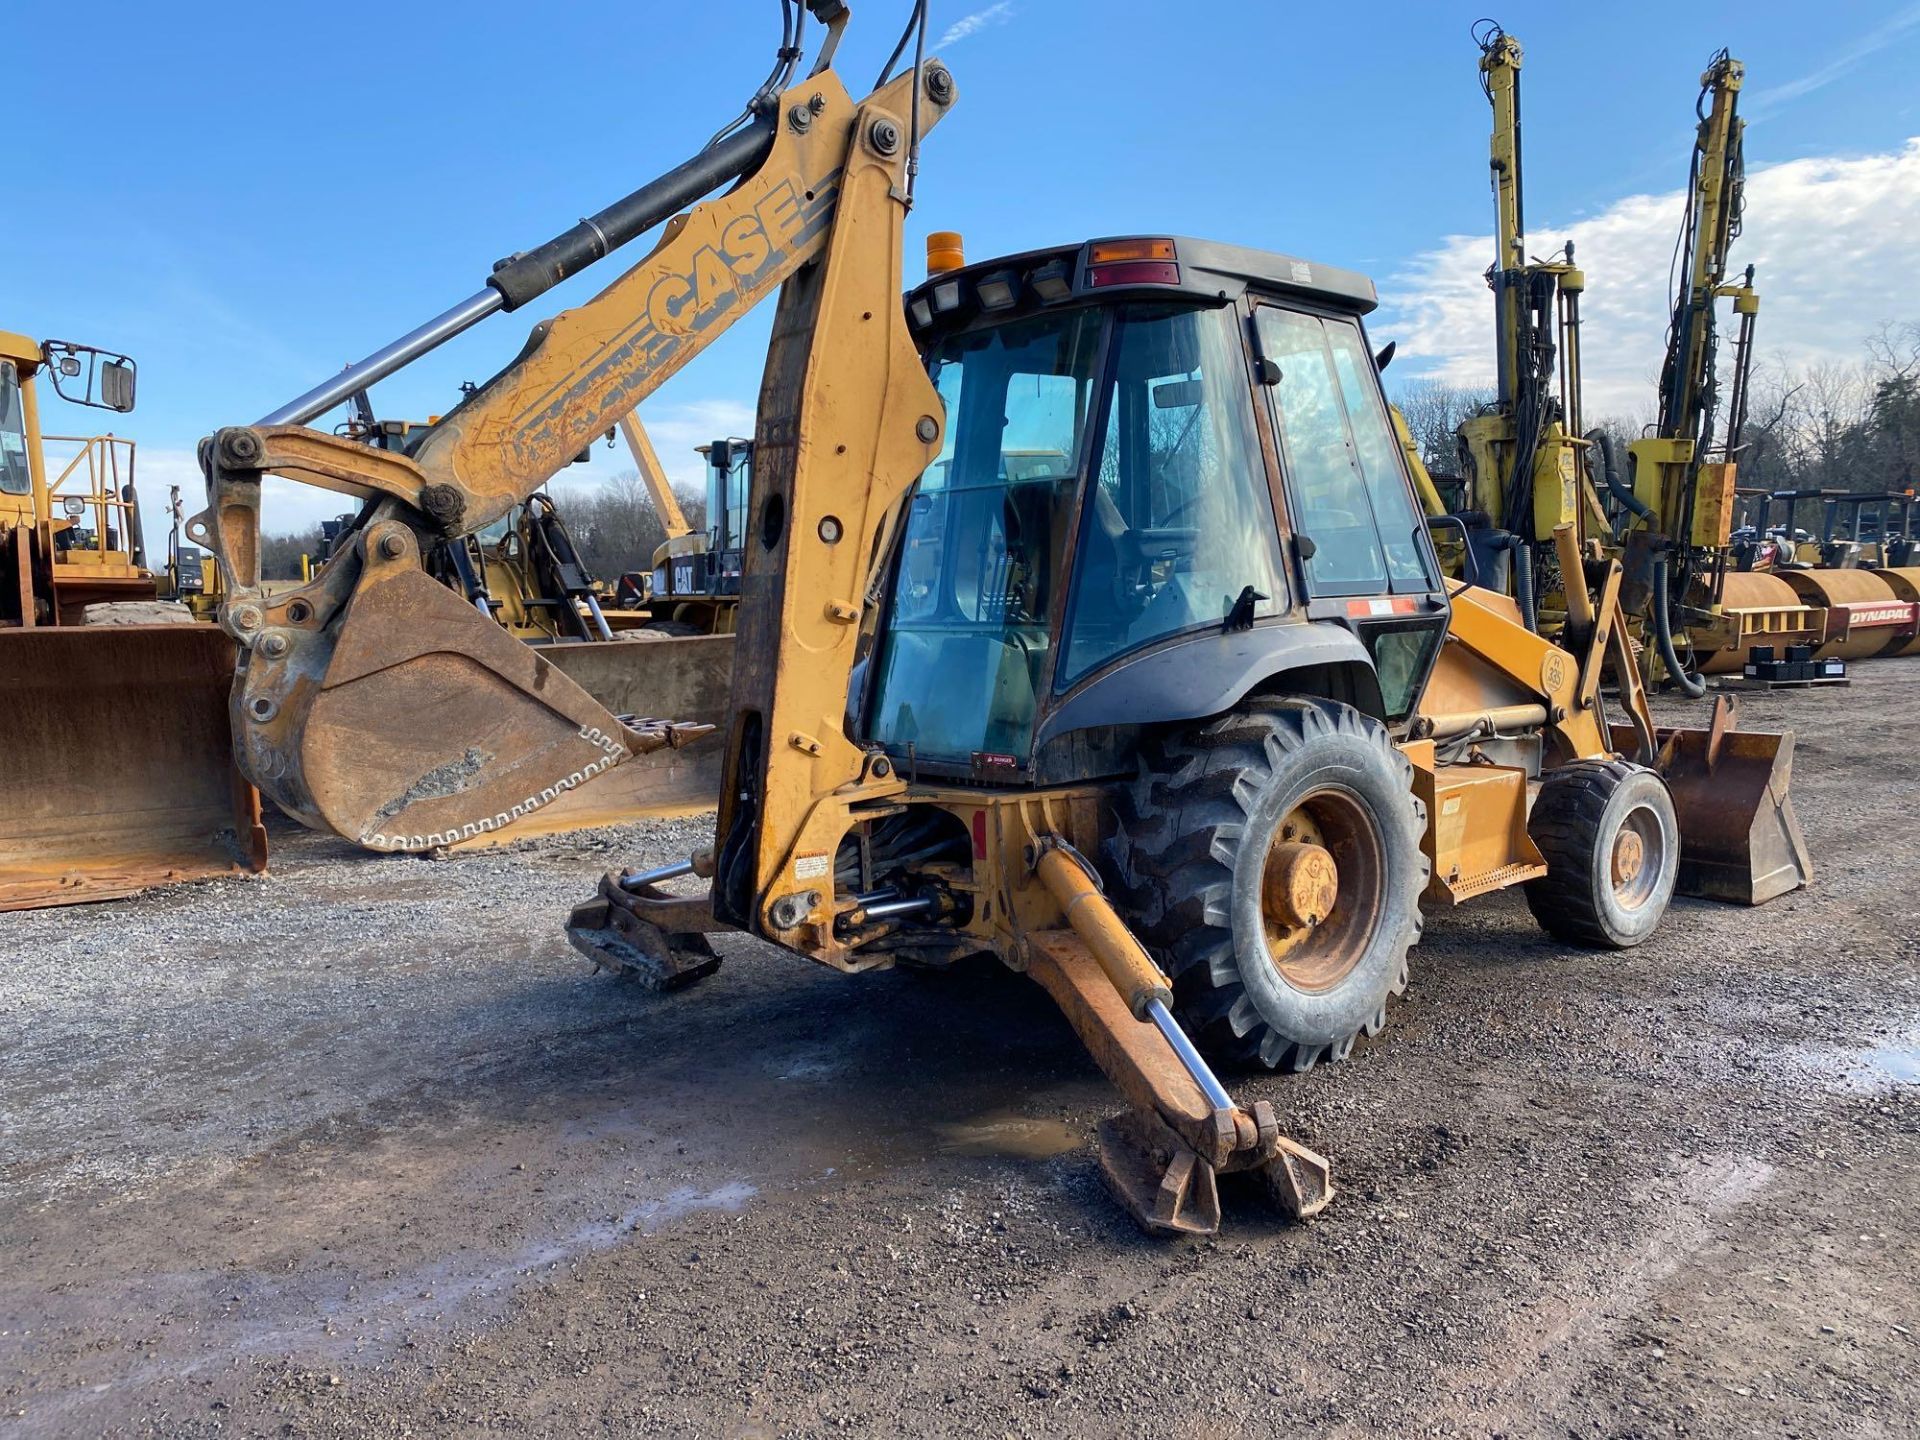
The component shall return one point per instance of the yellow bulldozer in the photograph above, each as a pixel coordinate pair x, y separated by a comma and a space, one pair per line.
117, 772
1088, 620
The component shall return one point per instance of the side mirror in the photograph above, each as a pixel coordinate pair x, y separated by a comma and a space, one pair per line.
116, 385
88, 375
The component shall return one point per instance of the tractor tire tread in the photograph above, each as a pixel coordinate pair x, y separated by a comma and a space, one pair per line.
1565, 825
1181, 825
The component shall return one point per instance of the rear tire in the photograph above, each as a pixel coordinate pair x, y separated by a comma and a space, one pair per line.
1607, 831
1213, 814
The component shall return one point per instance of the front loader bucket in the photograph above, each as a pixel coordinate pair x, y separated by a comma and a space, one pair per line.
116, 771
1739, 838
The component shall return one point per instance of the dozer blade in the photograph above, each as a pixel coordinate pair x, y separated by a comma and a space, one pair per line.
117, 770
426, 724
1739, 838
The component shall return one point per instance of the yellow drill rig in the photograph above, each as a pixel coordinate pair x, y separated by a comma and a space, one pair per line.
1088, 620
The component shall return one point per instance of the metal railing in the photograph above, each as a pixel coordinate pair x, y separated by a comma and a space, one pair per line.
100, 478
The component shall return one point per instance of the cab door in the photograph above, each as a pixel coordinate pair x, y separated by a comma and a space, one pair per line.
1364, 556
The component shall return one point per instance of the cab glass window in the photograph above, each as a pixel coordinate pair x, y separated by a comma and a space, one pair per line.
967, 634
1178, 524
1351, 500
15, 477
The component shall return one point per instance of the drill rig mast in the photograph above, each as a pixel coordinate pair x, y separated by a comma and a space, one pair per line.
1522, 457
1683, 502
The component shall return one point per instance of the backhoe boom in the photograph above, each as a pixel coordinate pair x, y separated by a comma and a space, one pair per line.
369, 707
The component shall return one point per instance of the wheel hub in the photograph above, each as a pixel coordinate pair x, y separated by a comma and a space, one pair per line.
1301, 883
1321, 890
1629, 858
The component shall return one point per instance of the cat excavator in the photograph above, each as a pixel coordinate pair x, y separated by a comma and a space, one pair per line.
1087, 620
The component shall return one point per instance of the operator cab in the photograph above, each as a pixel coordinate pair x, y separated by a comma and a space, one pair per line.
1162, 458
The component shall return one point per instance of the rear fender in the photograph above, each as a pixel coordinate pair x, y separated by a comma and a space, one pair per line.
1210, 673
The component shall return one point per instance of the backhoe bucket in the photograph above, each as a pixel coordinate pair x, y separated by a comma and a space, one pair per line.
1739, 838
412, 722
687, 678
117, 771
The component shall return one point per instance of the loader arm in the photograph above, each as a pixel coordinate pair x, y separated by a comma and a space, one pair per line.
654, 476
374, 703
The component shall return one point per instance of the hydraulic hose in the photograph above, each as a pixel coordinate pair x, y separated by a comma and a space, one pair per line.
1610, 477
1522, 576
1691, 686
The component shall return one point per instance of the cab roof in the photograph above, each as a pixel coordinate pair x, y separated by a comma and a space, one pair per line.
20, 349
1129, 267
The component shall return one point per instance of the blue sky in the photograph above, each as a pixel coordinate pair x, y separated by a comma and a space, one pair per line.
248, 196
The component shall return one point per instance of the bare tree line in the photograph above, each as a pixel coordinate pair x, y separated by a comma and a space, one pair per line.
1826, 425
614, 527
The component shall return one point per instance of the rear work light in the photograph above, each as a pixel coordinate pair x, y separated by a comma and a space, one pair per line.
998, 290
1051, 281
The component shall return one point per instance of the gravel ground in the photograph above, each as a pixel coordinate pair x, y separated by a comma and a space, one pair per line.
361, 1148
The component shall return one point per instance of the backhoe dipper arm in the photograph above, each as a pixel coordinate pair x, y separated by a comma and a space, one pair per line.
375, 703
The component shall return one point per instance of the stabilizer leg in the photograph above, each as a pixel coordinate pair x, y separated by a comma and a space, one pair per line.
1161, 1158
633, 927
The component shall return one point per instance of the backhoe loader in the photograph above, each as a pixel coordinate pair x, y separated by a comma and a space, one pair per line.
1087, 620
116, 770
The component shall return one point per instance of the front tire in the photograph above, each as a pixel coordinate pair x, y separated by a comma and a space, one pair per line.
1607, 831
1273, 862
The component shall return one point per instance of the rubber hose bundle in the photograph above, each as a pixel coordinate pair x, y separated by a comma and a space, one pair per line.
1691, 686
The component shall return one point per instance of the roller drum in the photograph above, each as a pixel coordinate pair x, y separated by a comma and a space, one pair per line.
1831, 589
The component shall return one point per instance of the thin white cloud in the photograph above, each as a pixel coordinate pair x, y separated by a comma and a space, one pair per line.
1827, 236
1873, 41
996, 14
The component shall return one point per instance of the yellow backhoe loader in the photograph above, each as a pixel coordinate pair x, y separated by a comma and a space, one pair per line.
1088, 620
116, 772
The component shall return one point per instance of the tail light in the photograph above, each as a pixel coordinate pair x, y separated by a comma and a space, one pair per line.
1132, 262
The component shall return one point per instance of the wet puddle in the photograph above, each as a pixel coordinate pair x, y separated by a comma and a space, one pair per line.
1017, 1137
1869, 1070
